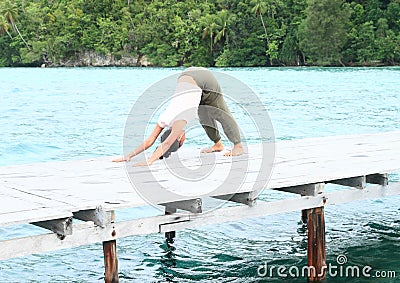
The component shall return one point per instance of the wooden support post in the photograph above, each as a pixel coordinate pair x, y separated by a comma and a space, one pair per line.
305, 190
379, 179
304, 216
110, 256
62, 227
191, 205
316, 245
355, 182
110, 261
98, 216
169, 236
248, 198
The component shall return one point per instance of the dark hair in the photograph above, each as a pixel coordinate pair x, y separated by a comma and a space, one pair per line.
174, 147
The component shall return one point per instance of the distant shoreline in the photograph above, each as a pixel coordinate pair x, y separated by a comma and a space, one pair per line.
77, 65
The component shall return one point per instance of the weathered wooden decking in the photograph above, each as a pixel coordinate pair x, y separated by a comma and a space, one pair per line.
52, 194
43, 191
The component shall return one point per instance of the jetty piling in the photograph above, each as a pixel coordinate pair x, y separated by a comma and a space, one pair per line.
316, 251
170, 235
304, 216
109, 246
52, 195
110, 261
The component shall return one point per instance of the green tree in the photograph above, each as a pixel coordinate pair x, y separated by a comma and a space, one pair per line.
392, 15
276, 28
210, 31
222, 21
365, 44
4, 26
373, 10
9, 12
290, 53
324, 31
206, 33
259, 8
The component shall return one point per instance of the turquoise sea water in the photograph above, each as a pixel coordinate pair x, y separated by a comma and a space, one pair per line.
65, 114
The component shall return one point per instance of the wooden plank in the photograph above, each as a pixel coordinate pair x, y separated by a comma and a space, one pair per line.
83, 234
356, 182
305, 190
34, 215
44, 191
191, 205
86, 233
293, 204
62, 227
248, 198
98, 216
380, 179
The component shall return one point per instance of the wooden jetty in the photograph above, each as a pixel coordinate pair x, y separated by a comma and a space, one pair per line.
53, 195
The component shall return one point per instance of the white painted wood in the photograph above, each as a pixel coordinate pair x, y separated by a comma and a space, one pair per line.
305, 190
191, 205
62, 227
98, 216
282, 206
245, 198
355, 182
380, 179
86, 233
43, 191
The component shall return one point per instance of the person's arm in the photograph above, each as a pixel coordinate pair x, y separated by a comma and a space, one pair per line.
176, 132
182, 139
142, 147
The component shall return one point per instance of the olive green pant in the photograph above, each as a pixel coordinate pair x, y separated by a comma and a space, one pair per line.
218, 111
213, 108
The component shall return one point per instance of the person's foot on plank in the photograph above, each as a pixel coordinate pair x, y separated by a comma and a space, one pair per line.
236, 150
217, 147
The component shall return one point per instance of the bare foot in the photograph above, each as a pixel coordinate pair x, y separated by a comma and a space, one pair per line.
236, 150
217, 147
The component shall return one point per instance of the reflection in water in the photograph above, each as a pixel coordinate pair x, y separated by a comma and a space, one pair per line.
168, 261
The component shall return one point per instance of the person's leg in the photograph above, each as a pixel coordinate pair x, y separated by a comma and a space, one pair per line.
232, 132
229, 126
209, 125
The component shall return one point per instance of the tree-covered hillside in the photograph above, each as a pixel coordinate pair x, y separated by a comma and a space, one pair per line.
199, 32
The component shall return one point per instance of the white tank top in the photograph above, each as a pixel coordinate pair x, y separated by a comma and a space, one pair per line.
183, 105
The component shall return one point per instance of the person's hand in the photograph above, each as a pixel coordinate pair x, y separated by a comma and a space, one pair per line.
122, 159
143, 163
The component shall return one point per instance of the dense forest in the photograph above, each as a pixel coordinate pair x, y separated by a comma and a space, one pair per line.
199, 32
